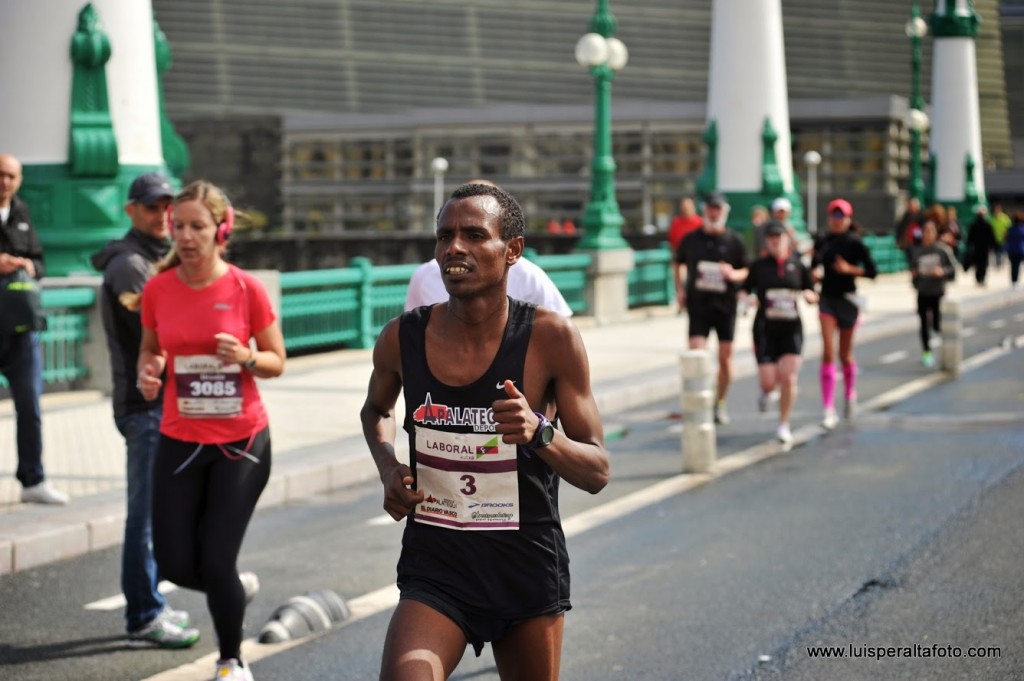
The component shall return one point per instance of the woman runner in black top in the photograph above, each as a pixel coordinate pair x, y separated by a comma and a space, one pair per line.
779, 278
840, 256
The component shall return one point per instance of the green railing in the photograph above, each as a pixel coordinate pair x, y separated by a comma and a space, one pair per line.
569, 274
886, 254
63, 341
341, 307
650, 281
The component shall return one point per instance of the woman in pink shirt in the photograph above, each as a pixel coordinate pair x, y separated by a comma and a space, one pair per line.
199, 318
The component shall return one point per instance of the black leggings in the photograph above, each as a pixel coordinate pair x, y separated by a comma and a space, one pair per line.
925, 305
200, 514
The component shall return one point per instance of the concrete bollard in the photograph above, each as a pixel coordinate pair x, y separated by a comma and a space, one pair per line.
698, 399
952, 330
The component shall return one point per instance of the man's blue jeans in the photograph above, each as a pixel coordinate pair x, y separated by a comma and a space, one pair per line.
139, 576
21, 363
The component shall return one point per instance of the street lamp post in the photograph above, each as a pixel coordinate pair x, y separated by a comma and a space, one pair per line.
813, 160
916, 28
603, 54
440, 166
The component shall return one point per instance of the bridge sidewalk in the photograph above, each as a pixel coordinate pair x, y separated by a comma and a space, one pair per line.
316, 431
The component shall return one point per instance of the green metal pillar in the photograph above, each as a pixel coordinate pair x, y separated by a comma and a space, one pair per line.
602, 220
916, 103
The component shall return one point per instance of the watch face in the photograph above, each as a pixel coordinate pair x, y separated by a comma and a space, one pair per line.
547, 434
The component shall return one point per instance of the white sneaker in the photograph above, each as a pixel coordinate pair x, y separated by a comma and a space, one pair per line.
179, 618
830, 420
42, 494
162, 632
784, 434
251, 584
850, 408
720, 414
232, 670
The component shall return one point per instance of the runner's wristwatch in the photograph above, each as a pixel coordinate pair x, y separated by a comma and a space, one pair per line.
250, 363
544, 434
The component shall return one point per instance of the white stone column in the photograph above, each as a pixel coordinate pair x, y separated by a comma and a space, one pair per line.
955, 115
37, 38
746, 84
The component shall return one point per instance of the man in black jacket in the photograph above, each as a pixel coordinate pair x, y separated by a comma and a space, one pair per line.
127, 264
21, 358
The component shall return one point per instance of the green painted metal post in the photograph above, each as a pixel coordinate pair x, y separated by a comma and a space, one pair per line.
916, 102
365, 267
93, 146
602, 220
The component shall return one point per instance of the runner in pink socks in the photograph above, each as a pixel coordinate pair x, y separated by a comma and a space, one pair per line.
840, 256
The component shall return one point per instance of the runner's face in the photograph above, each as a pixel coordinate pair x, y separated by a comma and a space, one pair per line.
777, 245
194, 232
929, 233
837, 222
469, 248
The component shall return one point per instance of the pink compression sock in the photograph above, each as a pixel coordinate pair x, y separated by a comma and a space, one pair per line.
828, 385
849, 380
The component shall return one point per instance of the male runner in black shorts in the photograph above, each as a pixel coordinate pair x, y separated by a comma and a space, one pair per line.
483, 375
711, 262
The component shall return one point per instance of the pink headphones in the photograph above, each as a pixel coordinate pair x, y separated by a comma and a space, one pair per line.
224, 228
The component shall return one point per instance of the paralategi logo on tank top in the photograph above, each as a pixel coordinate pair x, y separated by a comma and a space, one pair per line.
480, 419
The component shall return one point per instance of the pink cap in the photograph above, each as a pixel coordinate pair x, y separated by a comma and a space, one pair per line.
841, 205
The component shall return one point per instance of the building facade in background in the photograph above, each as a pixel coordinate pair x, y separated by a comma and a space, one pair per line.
363, 94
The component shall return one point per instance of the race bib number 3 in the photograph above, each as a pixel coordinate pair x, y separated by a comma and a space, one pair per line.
207, 388
470, 481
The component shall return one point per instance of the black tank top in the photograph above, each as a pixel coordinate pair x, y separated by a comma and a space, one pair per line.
492, 548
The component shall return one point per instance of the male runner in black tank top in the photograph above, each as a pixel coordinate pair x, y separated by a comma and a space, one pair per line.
483, 557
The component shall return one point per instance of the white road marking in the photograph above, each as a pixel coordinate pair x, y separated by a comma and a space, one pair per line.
380, 520
969, 331
115, 602
997, 324
893, 357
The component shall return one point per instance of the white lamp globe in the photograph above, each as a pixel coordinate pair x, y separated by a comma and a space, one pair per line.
618, 55
591, 50
812, 158
916, 28
439, 165
918, 120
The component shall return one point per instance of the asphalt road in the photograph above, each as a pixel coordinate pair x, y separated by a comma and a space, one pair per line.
900, 529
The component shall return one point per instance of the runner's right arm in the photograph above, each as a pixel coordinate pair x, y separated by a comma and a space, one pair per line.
380, 427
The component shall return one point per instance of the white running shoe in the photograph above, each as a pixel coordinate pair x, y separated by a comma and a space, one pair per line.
232, 670
850, 408
177, 617
784, 434
830, 420
251, 584
43, 494
162, 632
